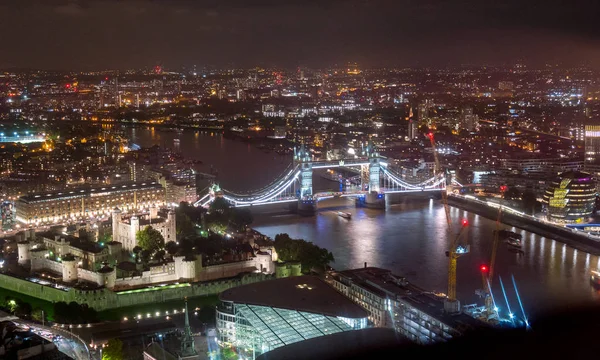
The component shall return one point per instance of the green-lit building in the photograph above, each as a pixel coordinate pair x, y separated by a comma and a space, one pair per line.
260, 317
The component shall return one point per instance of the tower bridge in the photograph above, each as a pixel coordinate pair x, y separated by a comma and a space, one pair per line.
296, 184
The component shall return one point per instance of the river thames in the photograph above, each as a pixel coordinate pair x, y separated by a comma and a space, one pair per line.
410, 238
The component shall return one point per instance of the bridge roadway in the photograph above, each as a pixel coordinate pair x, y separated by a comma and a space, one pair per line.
284, 189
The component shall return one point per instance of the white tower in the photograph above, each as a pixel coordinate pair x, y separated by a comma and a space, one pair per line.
133, 229
116, 220
69, 271
24, 252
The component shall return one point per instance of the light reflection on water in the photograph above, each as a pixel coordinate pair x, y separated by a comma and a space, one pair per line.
409, 238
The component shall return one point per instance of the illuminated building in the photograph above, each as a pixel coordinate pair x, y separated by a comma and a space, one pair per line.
87, 202
469, 121
124, 230
571, 197
393, 302
413, 126
592, 145
270, 314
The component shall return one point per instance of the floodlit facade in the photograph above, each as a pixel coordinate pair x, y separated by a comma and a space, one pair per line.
85, 202
261, 317
124, 229
571, 197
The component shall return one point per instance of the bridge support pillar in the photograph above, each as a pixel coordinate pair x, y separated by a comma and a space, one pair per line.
372, 200
307, 207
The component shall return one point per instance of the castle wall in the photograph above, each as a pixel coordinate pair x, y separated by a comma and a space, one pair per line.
91, 276
43, 263
227, 270
104, 299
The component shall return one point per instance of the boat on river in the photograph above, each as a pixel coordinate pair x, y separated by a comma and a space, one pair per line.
508, 234
345, 215
514, 242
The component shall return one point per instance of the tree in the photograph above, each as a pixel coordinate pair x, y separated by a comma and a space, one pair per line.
74, 313
184, 225
172, 248
159, 255
311, 256
242, 218
38, 315
150, 239
228, 354
145, 256
113, 350
105, 238
219, 205
136, 253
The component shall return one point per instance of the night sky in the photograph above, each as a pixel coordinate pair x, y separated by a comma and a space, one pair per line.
95, 34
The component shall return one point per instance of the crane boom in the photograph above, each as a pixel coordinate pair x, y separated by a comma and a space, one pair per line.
438, 171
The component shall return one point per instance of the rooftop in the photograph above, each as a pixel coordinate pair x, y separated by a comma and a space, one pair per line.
82, 244
87, 191
339, 345
385, 284
302, 293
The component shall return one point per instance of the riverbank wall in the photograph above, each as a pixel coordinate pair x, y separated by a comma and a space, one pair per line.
564, 235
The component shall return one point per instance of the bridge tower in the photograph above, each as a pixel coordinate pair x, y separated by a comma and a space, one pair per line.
306, 203
374, 198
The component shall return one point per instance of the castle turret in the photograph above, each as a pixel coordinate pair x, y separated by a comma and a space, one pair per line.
107, 276
69, 270
171, 226
134, 228
24, 252
116, 220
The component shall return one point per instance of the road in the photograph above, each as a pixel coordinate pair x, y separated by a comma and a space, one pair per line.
66, 342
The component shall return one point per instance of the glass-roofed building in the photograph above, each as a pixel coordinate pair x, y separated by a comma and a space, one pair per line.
260, 317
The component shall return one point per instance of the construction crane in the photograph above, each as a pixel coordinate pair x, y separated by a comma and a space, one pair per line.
438, 171
451, 305
487, 272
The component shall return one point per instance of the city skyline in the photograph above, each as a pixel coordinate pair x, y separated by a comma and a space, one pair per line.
131, 34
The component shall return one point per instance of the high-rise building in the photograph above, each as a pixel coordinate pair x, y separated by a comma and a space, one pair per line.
138, 171
591, 162
469, 121
412, 126
592, 145
424, 112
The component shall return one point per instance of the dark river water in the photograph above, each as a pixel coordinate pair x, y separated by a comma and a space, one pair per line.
410, 237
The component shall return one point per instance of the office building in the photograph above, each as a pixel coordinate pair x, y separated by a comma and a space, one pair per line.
395, 303
541, 165
270, 314
87, 202
592, 145
571, 197
469, 121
